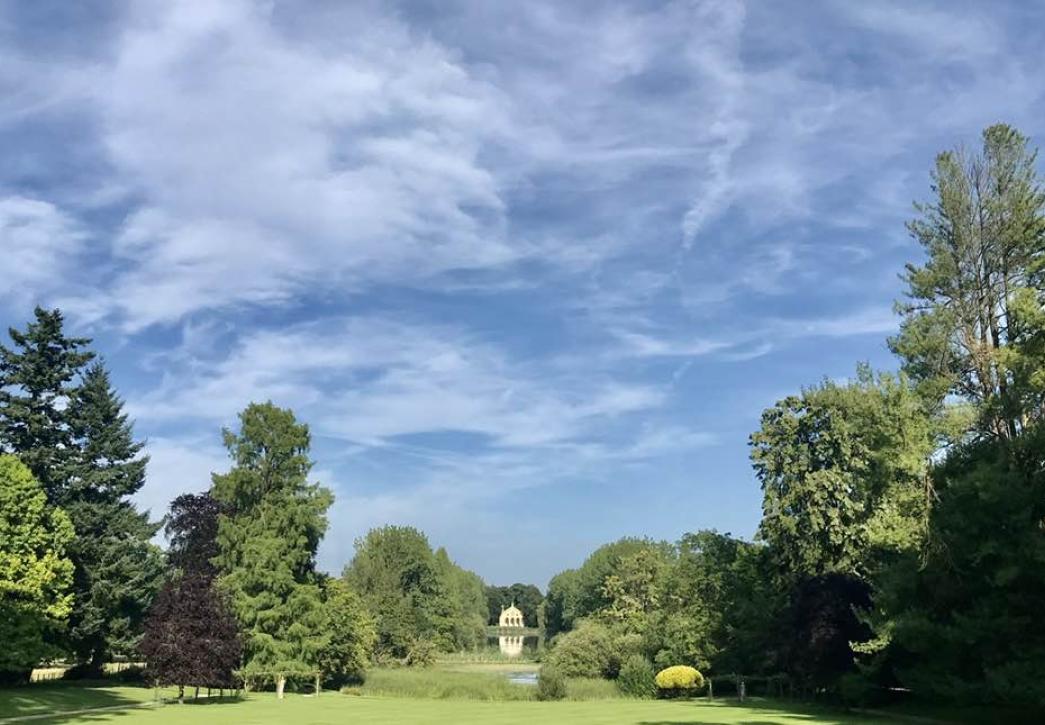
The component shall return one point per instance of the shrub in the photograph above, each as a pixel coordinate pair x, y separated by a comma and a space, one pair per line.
551, 684
636, 677
587, 651
677, 680
422, 654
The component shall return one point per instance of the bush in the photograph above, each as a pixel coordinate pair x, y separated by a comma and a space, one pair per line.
422, 654
587, 651
636, 677
551, 684
677, 680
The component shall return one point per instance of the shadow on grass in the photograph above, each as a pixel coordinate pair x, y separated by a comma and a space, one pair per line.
768, 712
64, 701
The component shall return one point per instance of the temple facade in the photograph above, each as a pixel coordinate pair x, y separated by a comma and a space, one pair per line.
511, 617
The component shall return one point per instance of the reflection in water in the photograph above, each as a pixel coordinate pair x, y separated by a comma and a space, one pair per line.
515, 645
510, 645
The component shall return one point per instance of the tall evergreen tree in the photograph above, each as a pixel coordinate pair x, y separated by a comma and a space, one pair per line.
37, 377
118, 570
974, 307
268, 539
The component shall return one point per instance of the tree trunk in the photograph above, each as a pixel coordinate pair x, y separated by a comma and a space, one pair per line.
317, 684
281, 681
181, 694
196, 695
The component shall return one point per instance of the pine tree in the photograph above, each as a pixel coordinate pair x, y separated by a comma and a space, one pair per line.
268, 541
36, 383
118, 570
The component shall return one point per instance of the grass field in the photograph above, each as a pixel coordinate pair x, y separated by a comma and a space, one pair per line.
336, 709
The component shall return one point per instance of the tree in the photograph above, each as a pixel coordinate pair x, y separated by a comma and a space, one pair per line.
833, 462
268, 539
350, 632
192, 533
36, 378
395, 571
968, 615
35, 573
822, 622
974, 307
191, 636
118, 570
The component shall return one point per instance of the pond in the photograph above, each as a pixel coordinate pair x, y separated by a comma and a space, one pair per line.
522, 678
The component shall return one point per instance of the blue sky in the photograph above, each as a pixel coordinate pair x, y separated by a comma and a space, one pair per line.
531, 271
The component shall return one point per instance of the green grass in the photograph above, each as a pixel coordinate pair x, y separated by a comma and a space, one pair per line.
443, 684
50, 697
337, 709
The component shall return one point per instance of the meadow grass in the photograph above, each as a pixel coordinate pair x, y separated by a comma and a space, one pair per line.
336, 709
442, 684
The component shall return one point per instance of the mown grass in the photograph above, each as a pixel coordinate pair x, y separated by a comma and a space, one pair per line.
335, 709
42, 698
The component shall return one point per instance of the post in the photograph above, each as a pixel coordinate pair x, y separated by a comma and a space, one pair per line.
711, 689
281, 681
317, 684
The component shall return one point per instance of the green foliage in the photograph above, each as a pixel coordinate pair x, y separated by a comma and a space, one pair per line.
829, 462
416, 594
35, 573
678, 679
972, 327
268, 539
969, 623
551, 683
579, 593
36, 385
526, 597
636, 677
350, 634
589, 650
66, 423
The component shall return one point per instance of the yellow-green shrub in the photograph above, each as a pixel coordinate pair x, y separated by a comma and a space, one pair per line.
678, 678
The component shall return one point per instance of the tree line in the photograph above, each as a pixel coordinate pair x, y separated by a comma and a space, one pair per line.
236, 598
902, 542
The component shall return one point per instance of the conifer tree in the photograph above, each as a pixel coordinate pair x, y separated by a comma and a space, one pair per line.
267, 543
37, 379
118, 570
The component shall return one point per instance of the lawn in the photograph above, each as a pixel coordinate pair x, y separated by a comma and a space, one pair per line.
336, 709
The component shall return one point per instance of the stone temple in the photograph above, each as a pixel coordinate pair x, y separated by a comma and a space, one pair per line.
511, 617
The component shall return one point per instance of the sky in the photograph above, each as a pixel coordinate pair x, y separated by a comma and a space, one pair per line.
530, 271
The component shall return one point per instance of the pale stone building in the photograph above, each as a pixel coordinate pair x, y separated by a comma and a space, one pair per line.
511, 617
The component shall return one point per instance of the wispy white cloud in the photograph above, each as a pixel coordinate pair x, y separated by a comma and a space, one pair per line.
39, 245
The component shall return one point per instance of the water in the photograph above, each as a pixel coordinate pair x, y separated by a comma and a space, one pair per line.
517, 645
522, 678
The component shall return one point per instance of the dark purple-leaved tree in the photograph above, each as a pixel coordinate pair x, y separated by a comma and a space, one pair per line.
191, 636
